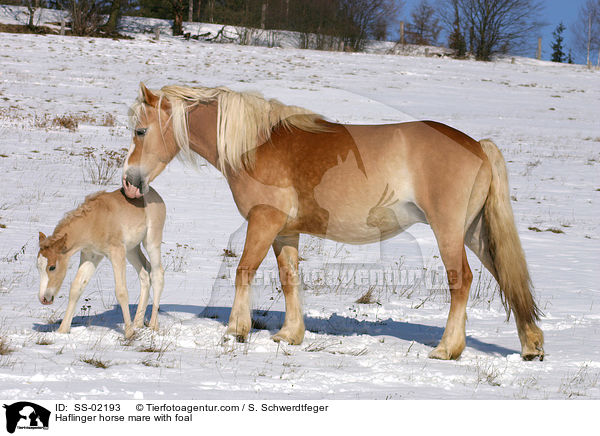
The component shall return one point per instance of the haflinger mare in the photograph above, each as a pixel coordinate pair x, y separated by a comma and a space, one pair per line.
290, 171
107, 224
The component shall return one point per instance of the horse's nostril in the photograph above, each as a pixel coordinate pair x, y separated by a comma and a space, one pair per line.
134, 178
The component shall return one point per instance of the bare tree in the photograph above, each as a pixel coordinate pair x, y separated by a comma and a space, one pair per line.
32, 7
360, 19
26, 16
451, 19
85, 15
493, 26
424, 28
587, 31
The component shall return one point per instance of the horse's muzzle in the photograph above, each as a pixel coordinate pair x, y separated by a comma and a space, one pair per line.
47, 302
133, 183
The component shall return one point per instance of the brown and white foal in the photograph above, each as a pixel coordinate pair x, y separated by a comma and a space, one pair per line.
107, 224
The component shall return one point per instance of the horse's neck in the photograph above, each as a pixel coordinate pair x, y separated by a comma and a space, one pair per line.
77, 234
202, 123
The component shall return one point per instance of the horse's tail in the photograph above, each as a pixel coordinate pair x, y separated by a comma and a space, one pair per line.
504, 244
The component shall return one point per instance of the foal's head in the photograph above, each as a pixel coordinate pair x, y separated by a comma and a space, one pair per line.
52, 263
153, 145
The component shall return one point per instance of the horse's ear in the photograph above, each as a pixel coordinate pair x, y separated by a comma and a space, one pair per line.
149, 97
152, 99
42, 237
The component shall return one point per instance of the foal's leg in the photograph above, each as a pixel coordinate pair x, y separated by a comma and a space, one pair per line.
117, 258
264, 223
87, 266
157, 272
286, 251
139, 262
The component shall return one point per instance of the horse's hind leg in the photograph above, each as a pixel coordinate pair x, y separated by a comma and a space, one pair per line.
117, 259
139, 262
460, 277
264, 224
87, 266
286, 251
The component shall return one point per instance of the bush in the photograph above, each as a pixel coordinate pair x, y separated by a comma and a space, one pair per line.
84, 15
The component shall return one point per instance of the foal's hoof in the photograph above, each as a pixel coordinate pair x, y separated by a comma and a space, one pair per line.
532, 355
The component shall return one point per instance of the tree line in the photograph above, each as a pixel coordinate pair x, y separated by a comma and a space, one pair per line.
479, 28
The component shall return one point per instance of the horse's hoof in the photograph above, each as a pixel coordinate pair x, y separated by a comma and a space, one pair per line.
232, 337
291, 339
240, 335
442, 353
129, 333
439, 353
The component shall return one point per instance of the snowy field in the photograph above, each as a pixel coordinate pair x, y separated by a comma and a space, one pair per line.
543, 116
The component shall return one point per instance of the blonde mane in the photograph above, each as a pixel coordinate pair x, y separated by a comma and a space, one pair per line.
245, 120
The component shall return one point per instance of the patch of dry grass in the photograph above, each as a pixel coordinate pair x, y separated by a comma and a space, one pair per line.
5, 348
550, 229
95, 362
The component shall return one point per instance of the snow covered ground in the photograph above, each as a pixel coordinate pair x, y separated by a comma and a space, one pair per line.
543, 116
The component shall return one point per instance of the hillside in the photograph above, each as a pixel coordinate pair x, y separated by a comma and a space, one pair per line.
542, 115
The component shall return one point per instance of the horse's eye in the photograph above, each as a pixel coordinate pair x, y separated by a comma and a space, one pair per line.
52, 268
140, 132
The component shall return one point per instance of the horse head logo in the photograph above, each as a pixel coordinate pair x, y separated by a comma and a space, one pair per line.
28, 414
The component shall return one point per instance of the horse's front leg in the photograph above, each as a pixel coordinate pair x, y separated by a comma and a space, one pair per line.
264, 223
138, 260
286, 251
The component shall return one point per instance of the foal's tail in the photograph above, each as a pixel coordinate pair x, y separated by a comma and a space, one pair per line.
504, 243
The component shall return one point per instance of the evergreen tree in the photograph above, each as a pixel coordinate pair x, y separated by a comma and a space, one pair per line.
113, 17
456, 40
558, 55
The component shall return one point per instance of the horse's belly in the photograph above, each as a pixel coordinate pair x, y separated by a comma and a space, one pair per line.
373, 225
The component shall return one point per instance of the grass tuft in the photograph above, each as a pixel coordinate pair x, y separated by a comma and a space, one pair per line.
5, 349
229, 253
97, 363
367, 297
550, 229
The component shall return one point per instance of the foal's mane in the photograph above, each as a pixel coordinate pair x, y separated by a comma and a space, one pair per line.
82, 210
245, 120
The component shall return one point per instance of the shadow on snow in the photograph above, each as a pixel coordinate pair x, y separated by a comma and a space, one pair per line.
272, 320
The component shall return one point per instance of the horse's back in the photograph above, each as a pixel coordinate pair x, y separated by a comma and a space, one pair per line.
118, 218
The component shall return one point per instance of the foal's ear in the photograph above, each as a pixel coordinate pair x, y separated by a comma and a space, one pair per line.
42, 237
61, 244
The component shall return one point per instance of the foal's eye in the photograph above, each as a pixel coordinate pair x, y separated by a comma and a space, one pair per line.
52, 268
140, 132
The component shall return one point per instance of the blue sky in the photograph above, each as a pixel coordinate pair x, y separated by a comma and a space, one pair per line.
554, 12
